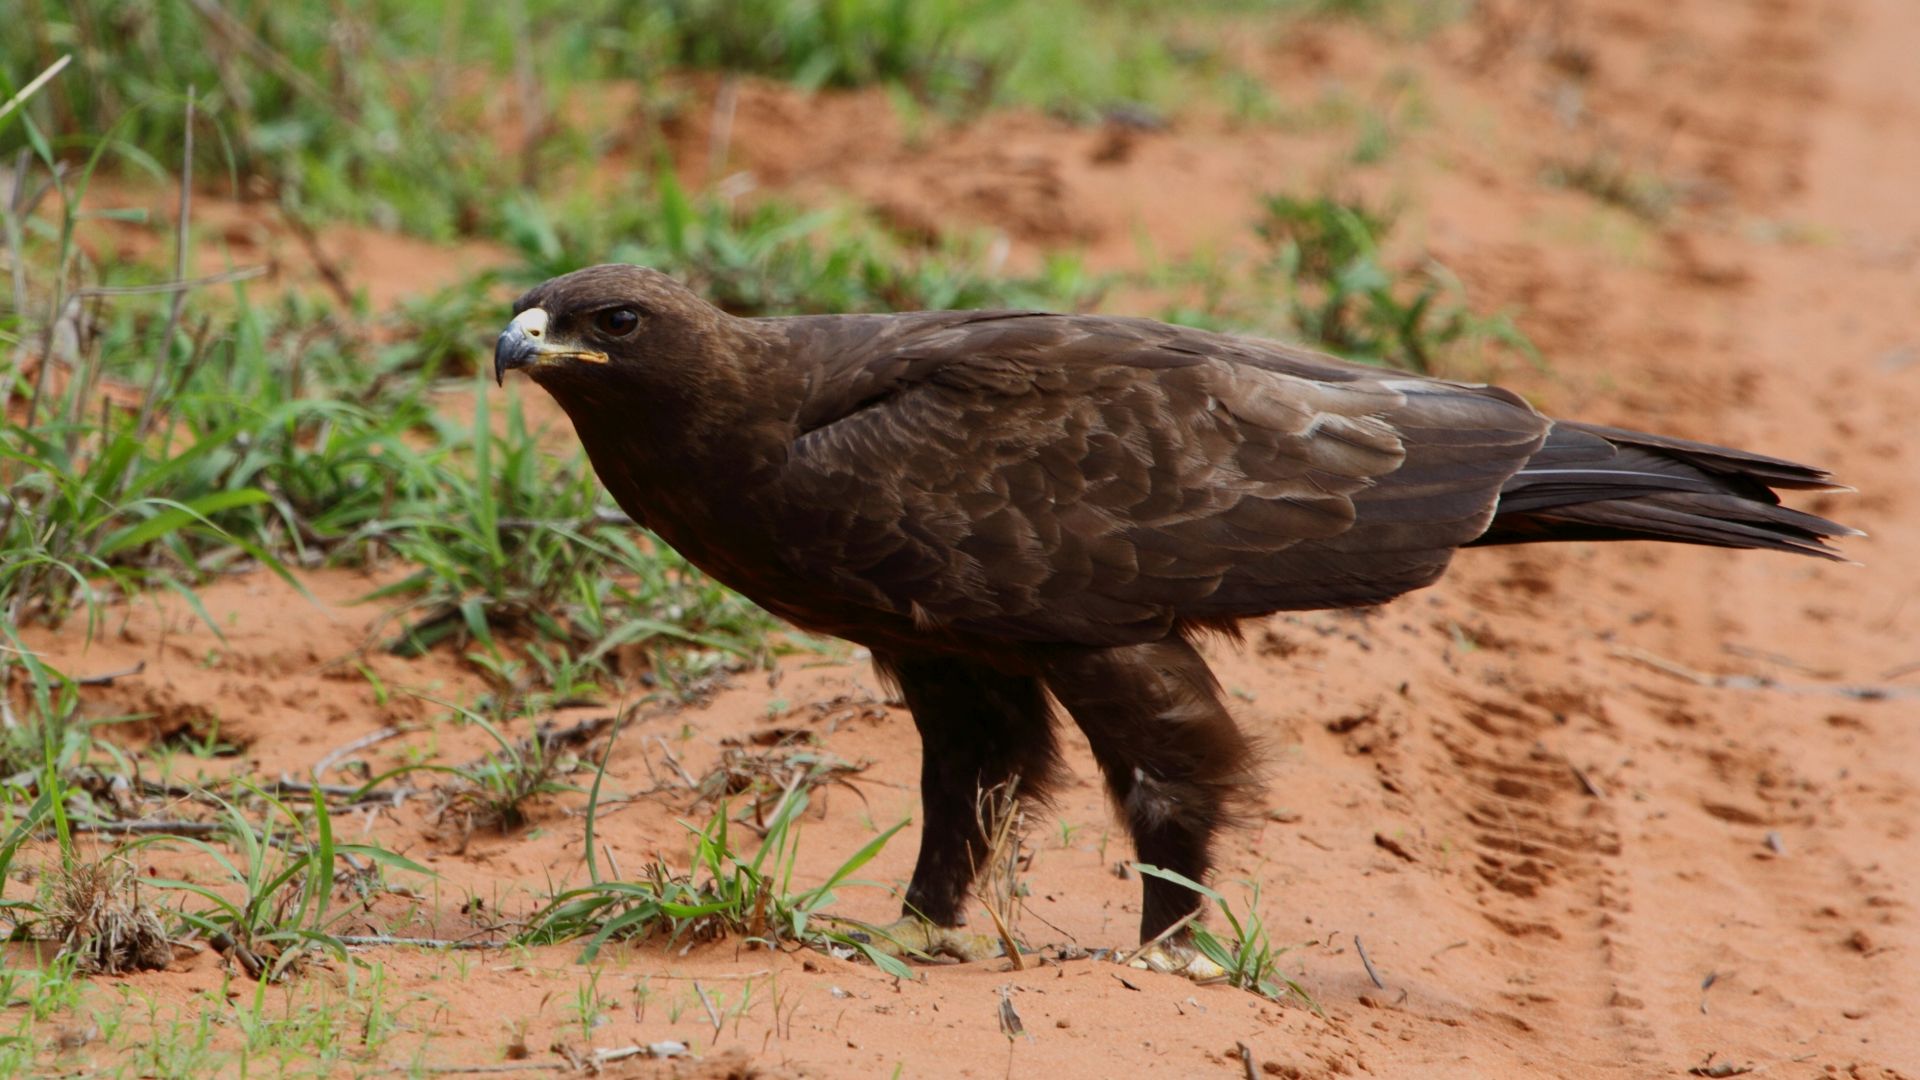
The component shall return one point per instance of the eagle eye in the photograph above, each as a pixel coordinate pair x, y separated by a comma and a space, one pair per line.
616, 322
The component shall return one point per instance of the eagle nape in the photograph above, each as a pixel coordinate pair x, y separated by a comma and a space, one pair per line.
1017, 510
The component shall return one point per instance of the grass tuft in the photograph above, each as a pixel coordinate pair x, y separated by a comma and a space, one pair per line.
96, 913
724, 892
1247, 955
1612, 181
1324, 256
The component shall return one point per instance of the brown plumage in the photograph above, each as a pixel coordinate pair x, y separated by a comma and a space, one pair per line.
1006, 506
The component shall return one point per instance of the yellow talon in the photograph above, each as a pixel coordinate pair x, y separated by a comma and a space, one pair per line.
911, 934
1177, 956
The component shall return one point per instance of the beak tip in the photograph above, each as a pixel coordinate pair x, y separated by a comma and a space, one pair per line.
512, 350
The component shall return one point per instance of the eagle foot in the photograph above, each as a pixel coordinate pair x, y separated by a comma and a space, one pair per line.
911, 934
1177, 956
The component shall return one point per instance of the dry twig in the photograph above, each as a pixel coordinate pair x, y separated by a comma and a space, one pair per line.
997, 814
1856, 692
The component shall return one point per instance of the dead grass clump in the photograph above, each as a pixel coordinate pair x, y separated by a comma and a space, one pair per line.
494, 797
997, 883
100, 920
765, 774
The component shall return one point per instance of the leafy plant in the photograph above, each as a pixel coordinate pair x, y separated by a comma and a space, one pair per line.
493, 793
274, 910
1343, 296
1608, 178
1247, 956
1323, 256
723, 892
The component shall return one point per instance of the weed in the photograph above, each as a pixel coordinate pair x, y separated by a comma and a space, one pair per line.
1248, 957
1609, 179
835, 43
273, 445
283, 878
493, 793
1342, 295
386, 112
724, 892
997, 884
50, 732
766, 776
96, 913
590, 1007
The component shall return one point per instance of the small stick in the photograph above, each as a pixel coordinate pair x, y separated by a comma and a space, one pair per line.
1161, 936
329, 270
674, 763
375, 940
1006, 940
288, 785
711, 1014
452, 1070
548, 739
1586, 782
1901, 671
665, 1049
533, 111
668, 1049
226, 946
177, 828
720, 134
106, 678
1368, 964
1761, 682
263, 54
1246, 1060
997, 815
1748, 652
391, 731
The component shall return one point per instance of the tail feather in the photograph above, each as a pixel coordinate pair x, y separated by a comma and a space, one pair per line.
1771, 471
1598, 483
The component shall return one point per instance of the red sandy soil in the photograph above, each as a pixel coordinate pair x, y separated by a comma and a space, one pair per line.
1595, 811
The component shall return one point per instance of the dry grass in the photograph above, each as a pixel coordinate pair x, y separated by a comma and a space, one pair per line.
100, 920
763, 774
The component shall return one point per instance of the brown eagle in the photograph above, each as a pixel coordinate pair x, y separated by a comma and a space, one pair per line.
1009, 507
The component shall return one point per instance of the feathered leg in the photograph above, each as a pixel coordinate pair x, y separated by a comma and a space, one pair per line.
978, 727
1176, 763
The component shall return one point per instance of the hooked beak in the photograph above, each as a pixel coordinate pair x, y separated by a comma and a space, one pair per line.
526, 343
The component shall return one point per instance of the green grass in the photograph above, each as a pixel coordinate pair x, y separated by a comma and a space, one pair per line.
723, 892
773, 258
1336, 290
271, 908
427, 115
170, 444
1246, 953
1604, 176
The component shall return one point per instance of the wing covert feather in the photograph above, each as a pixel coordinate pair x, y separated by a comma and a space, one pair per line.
1099, 481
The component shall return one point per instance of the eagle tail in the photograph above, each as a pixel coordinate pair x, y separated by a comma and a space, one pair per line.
1588, 482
